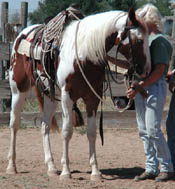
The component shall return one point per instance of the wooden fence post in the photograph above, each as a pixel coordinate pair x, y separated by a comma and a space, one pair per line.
24, 14
4, 20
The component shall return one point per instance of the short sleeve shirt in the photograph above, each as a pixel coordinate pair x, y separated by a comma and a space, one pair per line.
160, 50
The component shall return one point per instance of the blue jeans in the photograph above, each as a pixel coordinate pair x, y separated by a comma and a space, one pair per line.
149, 114
170, 127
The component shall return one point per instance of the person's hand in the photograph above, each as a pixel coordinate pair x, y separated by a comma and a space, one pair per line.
168, 76
130, 93
136, 88
172, 87
171, 80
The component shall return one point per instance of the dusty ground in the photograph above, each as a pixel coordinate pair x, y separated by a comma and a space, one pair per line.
120, 159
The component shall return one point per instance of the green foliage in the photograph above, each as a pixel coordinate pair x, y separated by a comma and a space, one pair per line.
88, 7
141, 3
53, 7
30, 105
122, 4
162, 5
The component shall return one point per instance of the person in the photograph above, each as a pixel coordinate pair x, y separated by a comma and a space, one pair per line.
149, 110
170, 121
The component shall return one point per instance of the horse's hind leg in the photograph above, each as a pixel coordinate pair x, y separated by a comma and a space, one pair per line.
48, 113
40, 99
17, 102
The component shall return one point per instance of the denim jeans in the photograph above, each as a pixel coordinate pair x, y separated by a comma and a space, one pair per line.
170, 127
149, 114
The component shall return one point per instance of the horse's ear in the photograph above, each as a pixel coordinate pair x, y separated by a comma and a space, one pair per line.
132, 17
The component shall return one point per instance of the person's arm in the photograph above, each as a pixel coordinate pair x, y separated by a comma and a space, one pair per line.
154, 76
121, 63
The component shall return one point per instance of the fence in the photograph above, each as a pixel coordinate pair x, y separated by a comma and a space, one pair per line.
5, 94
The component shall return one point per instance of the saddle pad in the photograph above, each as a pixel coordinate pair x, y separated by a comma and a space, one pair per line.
25, 44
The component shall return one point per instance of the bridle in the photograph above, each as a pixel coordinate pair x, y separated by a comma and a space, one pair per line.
128, 77
133, 64
131, 74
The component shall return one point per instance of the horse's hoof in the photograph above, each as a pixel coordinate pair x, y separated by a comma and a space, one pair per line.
96, 177
65, 177
11, 171
52, 173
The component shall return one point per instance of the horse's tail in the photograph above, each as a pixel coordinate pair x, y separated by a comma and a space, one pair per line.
77, 118
54, 127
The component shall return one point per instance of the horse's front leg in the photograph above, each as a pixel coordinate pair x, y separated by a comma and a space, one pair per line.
91, 134
48, 113
67, 132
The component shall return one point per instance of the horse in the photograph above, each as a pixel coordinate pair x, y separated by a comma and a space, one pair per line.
79, 73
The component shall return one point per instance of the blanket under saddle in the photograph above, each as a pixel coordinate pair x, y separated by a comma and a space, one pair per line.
25, 46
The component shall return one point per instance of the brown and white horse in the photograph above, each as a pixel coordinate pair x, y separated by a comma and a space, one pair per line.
96, 35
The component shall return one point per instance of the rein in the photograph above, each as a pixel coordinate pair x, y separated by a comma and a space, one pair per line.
81, 70
92, 89
128, 78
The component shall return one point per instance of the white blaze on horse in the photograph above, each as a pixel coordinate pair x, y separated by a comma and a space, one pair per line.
87, 40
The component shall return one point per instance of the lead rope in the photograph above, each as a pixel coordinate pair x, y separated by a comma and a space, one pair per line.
88, 83
90, 86
81, 70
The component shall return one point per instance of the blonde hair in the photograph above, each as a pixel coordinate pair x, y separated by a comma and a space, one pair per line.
151, 14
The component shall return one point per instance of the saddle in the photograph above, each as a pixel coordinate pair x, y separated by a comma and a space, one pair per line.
41, 46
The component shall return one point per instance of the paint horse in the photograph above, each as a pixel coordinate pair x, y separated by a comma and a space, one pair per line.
83, 51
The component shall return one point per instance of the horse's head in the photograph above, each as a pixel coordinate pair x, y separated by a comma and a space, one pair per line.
132, 42
97, 34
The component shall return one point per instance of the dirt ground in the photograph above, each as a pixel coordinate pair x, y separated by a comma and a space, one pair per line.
120, 160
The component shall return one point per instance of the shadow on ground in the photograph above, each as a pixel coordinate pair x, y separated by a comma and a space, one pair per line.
122, 173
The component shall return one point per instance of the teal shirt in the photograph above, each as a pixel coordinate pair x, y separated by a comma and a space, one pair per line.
160, 50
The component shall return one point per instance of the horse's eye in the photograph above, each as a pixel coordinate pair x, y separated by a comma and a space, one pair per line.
139, 41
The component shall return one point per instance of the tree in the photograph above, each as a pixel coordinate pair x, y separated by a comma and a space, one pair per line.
162, 5
122, 4
53, 7
48, 8
88, 7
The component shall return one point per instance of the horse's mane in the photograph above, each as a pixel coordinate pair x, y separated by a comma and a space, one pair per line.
92, 33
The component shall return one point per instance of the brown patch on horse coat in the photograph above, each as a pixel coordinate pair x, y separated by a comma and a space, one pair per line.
110, 41
117, 41
22, 73
124, 49
95, 75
